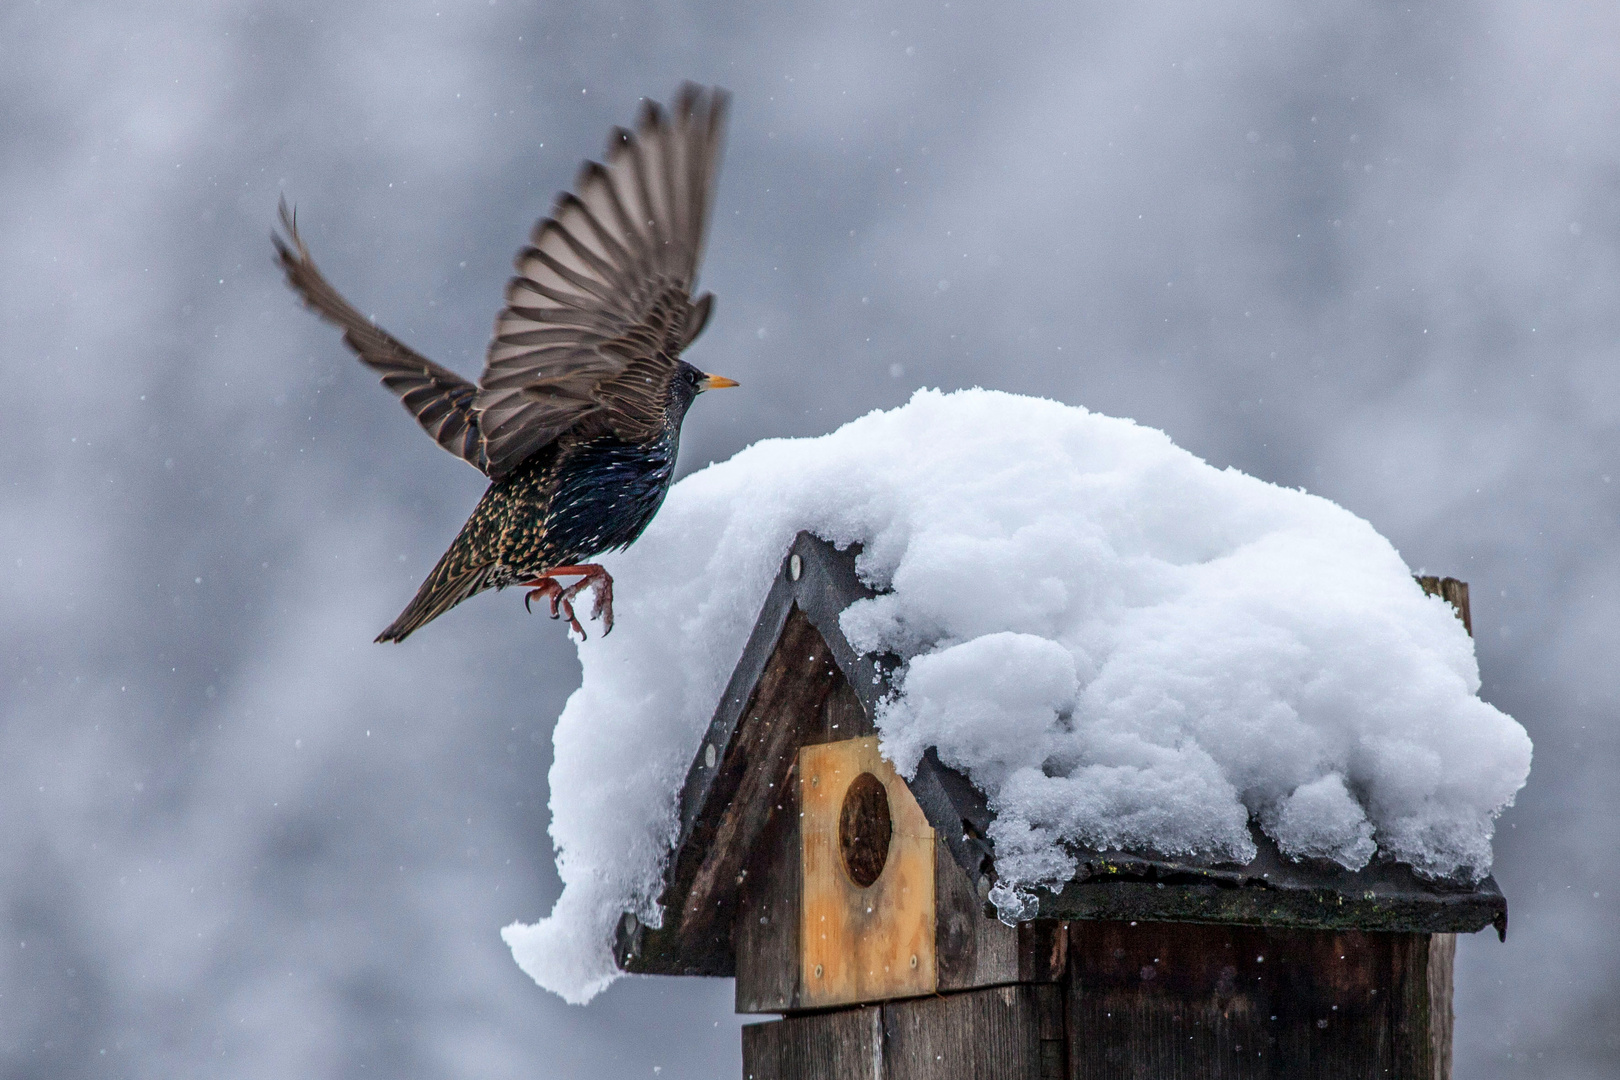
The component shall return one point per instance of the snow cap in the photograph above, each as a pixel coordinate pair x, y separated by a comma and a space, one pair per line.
1122, 646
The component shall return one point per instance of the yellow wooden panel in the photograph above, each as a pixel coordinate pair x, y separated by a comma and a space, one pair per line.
862, 944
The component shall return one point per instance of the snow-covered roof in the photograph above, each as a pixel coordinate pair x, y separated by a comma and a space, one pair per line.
722, 819
1144, 665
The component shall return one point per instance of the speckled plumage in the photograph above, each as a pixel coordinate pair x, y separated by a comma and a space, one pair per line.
577, 417
574, 500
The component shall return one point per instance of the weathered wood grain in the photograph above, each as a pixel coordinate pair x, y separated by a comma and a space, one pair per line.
1043, 951
844, 1045
1442, 963
1000, 1032
796, 699
1453, 592
1411, 1016
1178, 1000
971, 948
766, 930
871, 943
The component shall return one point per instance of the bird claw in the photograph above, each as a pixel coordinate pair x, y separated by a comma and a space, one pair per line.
573, 623
562, 599
543, 588
601, 586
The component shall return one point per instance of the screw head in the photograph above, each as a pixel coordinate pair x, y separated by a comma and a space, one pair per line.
795, 567
818, 971
708, 756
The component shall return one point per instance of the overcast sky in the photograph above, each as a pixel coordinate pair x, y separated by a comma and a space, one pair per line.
1362, 248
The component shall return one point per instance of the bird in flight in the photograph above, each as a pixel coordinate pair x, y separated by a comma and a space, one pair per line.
577, 417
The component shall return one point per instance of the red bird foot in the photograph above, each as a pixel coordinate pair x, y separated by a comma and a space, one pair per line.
591, 575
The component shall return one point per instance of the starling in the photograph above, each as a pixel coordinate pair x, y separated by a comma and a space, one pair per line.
577, 417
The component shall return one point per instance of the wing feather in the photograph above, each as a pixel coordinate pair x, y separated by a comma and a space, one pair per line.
442, 401
594, 269
602, 302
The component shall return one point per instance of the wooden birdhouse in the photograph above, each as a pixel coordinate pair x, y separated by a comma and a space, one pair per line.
853, 903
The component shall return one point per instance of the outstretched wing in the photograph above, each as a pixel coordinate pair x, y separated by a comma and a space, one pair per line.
602, 304
441, 400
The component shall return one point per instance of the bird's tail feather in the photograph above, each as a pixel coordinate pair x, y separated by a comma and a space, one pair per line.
451, 582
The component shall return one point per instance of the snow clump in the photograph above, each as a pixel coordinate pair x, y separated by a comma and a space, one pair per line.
1123, 646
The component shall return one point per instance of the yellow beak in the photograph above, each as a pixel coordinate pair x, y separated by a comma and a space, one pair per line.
714, 382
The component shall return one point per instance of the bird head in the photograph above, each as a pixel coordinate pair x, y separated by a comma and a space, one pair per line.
687, 384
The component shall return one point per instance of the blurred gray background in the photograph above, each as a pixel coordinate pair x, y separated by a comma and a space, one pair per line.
1369, 249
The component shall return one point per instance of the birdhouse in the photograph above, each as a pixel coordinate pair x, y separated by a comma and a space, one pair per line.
853, 903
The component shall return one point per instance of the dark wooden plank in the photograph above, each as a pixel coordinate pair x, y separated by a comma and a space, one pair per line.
958, 812
842, 716
766, 932
1412, 1049
999, 1033
1442, 962
1052, 1021
971, 948
1043, 951
1272, 890
843, 1045
1173, 1001
788, 708
1453, 592
1421, 909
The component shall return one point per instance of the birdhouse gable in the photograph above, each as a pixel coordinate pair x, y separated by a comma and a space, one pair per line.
800, 691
